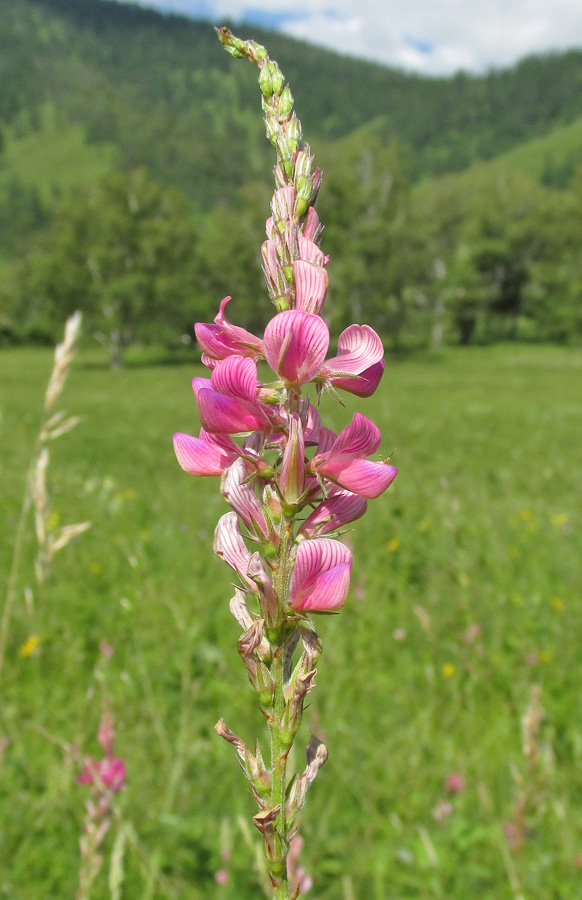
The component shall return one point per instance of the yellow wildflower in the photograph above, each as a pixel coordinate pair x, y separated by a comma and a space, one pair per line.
559, 519
393, 544
448, 670
558, 604
30, 646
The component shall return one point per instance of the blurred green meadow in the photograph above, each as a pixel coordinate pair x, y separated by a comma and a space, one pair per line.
466, 593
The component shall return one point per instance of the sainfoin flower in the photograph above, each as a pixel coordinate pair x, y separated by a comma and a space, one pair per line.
292, 484
321, 576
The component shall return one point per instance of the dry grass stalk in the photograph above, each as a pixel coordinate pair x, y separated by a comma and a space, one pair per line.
50, 539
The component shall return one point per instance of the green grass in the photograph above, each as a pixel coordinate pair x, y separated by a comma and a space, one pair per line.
481, 527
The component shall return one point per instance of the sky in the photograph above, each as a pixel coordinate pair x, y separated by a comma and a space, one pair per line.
432, 37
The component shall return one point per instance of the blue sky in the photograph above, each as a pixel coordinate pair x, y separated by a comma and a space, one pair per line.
435, 37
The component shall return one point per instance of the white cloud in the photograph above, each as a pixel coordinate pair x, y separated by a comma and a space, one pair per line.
430, 36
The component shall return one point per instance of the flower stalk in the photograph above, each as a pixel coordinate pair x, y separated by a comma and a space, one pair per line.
292, 483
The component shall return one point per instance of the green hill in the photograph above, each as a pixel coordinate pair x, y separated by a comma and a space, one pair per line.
160, 89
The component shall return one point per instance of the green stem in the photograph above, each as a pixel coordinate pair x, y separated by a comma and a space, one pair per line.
279, 750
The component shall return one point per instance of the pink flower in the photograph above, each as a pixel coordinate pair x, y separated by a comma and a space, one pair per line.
359, 364
223, 339
455, 783
210, 454
345, 462
321, 577
227, 404
338, 509
221, 877
295, 346
229, 546
442, 810
109, 772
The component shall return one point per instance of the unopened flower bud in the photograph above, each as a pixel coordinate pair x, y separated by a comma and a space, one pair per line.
266, 80
285, 103
293, 132
303, 162
292, 479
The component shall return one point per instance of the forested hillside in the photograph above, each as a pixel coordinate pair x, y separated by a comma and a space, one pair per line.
107, 105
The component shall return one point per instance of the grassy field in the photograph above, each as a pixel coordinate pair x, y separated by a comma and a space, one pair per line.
466, 593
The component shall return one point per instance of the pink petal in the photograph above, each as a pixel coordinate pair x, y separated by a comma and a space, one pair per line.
361, 437
202, 457
220, 414
222, 339
361, 476
312, 228
229, 546
295, 345
200, 384
309, 251
359, 348
334, 512
292, 478
240, 494
362, 385
236, 377
283, 203
329, 592
321, 576
310, 286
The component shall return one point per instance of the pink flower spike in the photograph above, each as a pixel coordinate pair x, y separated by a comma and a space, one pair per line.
229, 546
310, 286
240, 494
292, 480
207, 455
362, 385
296, 343
321, 577
224, 339
108, 772
338, 509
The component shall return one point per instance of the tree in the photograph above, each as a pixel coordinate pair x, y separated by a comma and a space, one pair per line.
125, 254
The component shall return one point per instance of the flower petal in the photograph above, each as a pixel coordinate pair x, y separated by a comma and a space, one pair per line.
295, 345
334, 512
361, 437
361, 476
310, 286
321, 577
240, 494
198, 456
220, 414
362, 385
236, 377
229, 546
359, 347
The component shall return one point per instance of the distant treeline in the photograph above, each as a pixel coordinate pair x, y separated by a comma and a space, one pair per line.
134, 180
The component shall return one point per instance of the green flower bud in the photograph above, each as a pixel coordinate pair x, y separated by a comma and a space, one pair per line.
285, 103
265, 81
277, 79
